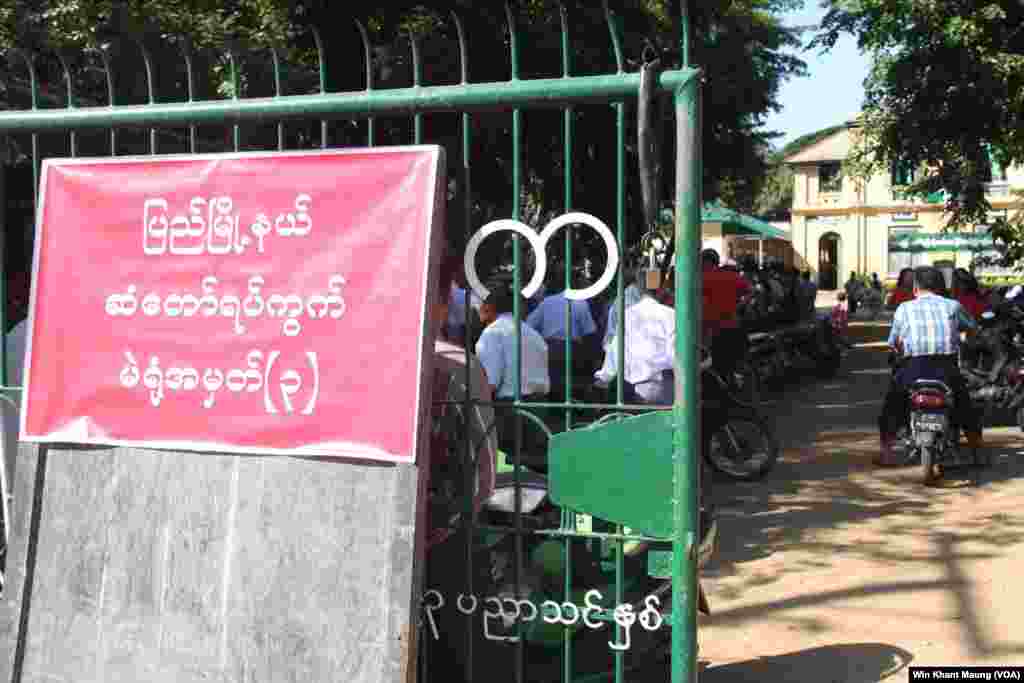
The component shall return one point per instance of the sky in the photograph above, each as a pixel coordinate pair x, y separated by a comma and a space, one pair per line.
832, 91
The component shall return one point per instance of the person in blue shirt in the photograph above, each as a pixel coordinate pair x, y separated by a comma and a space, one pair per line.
549, 318
926, 335
497, 350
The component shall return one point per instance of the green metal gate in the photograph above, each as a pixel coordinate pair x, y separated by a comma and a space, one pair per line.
515, 97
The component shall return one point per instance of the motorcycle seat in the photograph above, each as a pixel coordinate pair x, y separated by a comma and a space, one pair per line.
921, 385
930, 386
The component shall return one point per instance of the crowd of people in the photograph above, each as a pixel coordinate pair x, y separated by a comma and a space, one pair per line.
965, 289
736, 300
779, 295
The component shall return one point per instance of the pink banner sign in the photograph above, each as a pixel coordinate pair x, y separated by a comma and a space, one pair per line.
269, 303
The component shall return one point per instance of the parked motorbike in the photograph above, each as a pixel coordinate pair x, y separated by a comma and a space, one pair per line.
497, 615
738, 441
870, 301
993, 362
795, 349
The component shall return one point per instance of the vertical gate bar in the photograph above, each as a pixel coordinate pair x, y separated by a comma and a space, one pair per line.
568, 517
276, 65
684, 33
111, 100
322, 64
235, 132
567, 176
620, 231
417, 75
620, 223
33, 80
513, 39
148, 63
613, 29
365, 37
72, 137
467, 209
687, 437
186, 51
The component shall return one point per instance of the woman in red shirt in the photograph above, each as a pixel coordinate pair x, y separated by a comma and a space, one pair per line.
904, 289
968, 293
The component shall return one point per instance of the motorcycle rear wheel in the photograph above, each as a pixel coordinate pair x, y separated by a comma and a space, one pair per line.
927, 466
729, 451
746, 383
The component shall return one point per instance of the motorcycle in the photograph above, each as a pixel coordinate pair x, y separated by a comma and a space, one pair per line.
993, 362
804, 347
738, 441
931, 437
934, 439
870, 301
768, 362
531, 606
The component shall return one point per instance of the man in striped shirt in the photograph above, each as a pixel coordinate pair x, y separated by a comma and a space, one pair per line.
926, 333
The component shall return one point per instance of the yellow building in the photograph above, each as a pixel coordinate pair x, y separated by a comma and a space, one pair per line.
839, 225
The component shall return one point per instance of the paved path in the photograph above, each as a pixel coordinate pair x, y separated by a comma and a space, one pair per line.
834, 571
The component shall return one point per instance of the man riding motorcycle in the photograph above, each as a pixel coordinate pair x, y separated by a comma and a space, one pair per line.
926, 335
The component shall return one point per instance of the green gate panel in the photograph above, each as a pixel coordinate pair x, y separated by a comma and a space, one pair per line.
659, 564
618, 471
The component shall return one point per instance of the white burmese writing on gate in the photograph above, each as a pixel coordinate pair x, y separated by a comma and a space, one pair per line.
254, 378
550, 612
211, 226
232, 305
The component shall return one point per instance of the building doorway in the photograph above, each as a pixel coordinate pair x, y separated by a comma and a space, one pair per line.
828, 261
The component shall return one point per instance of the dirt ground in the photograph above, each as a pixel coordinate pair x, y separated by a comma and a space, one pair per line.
832, 570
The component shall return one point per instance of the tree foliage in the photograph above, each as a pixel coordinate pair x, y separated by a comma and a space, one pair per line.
945, 93
741, 44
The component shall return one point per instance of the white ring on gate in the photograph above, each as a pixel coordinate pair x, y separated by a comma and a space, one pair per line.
539, 244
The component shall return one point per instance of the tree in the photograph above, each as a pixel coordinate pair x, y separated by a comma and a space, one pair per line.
741, 44
945, 94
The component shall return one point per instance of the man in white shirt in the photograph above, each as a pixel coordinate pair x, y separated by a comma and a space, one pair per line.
650, 351
632, 293
496, 351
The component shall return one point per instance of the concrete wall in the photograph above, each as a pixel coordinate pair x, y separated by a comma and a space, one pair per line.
135, 565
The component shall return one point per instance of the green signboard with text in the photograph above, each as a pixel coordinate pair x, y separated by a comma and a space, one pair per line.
915, 241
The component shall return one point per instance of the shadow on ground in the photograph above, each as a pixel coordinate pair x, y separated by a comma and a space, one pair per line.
849, 663
826, 504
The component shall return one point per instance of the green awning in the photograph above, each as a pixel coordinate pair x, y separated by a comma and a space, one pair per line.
736, 223
733, 222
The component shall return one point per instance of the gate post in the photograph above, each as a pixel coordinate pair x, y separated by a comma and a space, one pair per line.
686, 408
